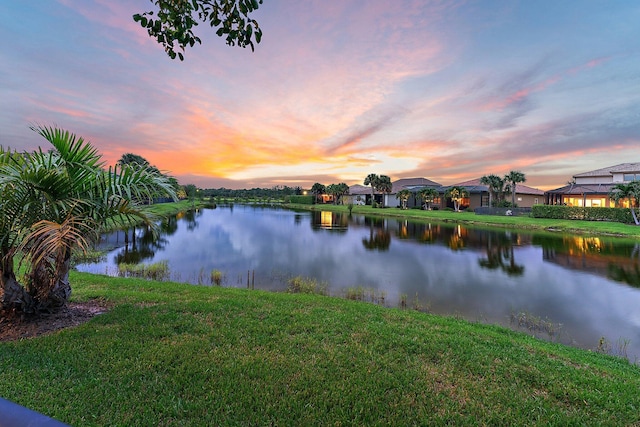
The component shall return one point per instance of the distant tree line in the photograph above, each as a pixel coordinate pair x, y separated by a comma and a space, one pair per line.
276, 192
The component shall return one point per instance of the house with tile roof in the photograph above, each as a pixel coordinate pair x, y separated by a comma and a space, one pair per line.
357, 195
526, 196
412, 184
592, 188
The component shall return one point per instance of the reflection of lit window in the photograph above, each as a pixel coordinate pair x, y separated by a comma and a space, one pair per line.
585, 245
326, 218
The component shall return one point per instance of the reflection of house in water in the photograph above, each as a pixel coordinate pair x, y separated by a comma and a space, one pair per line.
620, 262
325, 220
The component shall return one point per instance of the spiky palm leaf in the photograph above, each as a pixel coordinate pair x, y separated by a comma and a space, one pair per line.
59, 199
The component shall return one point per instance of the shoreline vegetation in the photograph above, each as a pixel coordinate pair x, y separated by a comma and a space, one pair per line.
168, 353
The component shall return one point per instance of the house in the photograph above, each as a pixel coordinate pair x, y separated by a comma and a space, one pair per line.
412, 184
592, 188
526, 196
357, 195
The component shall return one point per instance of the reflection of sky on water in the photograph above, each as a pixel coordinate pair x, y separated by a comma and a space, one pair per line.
277, 244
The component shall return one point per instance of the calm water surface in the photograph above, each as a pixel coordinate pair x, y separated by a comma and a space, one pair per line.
579, 289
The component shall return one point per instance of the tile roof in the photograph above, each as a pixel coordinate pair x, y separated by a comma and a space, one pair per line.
358, 189
608, 171
584, 189
474, 186
409, 183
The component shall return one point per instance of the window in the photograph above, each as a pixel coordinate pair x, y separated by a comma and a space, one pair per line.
630, 177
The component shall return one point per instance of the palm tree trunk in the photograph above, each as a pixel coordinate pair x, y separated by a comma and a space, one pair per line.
633, 214
12, 293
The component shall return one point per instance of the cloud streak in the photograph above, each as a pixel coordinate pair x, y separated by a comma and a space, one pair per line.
448, 90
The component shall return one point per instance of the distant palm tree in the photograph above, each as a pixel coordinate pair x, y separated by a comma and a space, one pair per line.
631, 192
456, 193
513, 178
372, 179
384, 185
495, 186
428, 195
317, 189
404, 196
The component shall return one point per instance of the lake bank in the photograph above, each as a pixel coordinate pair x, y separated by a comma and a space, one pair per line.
599, 228
168, 353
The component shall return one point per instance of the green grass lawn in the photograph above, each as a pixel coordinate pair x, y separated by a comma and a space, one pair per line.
470, 218
170, 354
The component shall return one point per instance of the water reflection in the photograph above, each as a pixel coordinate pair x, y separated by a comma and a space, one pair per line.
379, 238
500, 254
612, 259
487, 275
333, 221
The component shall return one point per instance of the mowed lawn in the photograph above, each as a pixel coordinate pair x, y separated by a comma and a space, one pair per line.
169, 354
470, 218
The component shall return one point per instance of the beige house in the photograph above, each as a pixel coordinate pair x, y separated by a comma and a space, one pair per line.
412, 184
592, 188
357, 195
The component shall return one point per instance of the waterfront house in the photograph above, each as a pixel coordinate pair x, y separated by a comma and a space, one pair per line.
592, 188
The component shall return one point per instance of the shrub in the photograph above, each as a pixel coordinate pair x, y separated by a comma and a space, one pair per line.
306, 285
216, 277
301, 200
622, 215
157, 271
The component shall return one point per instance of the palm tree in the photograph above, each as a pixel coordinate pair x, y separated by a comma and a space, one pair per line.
372, 179
341, 190
456, 193
631, 192
317, 189
428, 195
55, 201
513, 178
404, 195
384, 185
337, 191
495, 186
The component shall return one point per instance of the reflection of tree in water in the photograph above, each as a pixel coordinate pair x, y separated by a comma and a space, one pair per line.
143, 247
500, 255
457, 238
379, 236
190, 218
169, 226
630, 276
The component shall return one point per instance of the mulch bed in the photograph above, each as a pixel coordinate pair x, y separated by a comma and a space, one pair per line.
15, 326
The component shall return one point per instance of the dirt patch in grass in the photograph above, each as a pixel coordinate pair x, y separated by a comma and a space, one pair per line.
17, 326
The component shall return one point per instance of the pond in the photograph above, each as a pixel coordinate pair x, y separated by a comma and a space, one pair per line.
582, 291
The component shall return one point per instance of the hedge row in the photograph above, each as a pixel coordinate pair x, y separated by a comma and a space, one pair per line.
301, 200
587, 214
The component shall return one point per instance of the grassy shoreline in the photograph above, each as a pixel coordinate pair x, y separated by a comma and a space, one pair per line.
601, 228
176, 354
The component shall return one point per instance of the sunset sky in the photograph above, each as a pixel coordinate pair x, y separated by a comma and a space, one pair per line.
337, 89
